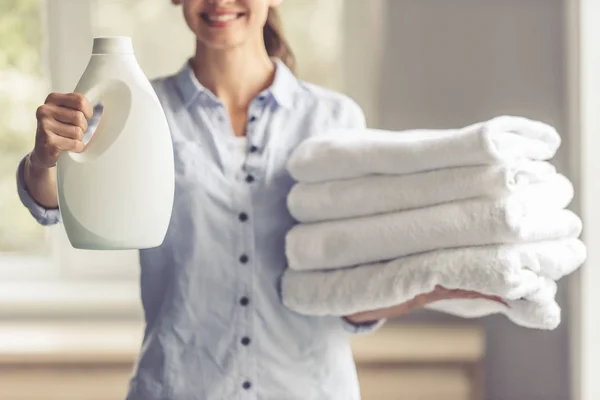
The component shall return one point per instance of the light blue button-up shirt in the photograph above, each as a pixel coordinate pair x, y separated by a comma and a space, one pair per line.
216, 327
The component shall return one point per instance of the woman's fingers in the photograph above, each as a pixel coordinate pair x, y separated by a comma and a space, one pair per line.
442, 293
74, 101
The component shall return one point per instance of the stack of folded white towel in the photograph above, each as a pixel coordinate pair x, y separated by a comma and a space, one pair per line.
385, 216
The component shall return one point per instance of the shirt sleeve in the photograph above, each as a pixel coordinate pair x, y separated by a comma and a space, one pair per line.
43, 215
362, 328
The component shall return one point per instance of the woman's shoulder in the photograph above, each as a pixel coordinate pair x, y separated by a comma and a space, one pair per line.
168, 91
322, 95
163, 84
340, 106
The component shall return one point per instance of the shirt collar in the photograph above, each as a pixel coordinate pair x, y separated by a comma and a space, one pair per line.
284, 86
282, 90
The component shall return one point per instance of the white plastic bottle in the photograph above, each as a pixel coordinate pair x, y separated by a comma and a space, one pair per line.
118, 193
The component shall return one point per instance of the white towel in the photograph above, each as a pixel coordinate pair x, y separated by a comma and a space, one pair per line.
340, 154
512, 272
375, 194
538, 310
508, 271
533, 214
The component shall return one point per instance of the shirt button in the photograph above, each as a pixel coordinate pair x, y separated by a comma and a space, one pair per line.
245, 341
252, 118
244, 301
247, 385
253, 149
243, 259
243, 217
249, 179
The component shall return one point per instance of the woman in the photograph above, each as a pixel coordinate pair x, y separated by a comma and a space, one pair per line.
216, 328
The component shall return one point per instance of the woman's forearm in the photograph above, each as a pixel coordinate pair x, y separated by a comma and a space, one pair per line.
41, 183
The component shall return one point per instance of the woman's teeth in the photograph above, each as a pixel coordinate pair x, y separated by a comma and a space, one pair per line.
222, 17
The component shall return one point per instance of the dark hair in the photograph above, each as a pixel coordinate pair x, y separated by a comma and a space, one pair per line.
275, 42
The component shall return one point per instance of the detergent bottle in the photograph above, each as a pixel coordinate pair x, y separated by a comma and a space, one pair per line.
118, 193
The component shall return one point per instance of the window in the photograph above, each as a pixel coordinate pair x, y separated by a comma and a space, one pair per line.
24, 83
40, 273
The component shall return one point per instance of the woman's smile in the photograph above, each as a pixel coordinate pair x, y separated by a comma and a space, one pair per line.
221, 19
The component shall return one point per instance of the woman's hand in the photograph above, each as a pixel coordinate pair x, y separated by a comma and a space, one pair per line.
420, 301
61, 122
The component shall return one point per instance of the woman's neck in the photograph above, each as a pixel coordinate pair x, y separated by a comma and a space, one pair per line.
235, 76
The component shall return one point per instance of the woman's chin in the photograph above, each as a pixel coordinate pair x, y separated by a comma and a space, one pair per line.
221, 41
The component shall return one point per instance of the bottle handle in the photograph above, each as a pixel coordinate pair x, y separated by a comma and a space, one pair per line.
115, 96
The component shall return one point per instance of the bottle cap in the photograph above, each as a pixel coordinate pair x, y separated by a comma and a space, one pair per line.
112, 45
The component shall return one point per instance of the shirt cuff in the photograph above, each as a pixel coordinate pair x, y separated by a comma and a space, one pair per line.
361, 328
45, 216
